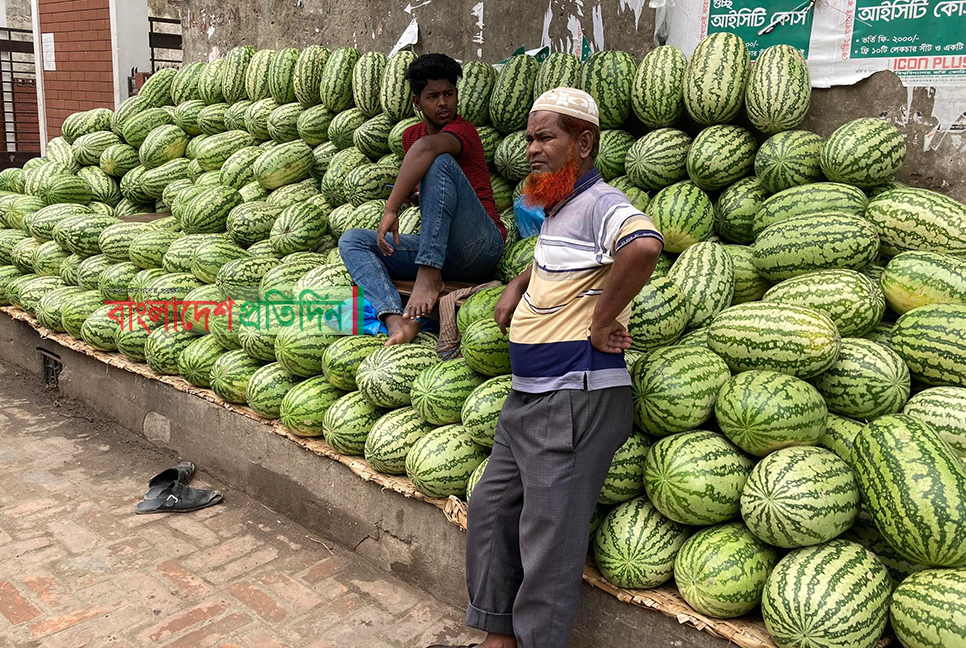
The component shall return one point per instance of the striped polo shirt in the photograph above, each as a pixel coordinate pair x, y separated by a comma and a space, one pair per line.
550, 345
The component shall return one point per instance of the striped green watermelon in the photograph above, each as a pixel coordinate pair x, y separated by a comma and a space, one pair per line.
635, 546
313, 125
253, 191
80, 235
22, 254
926, 609
210, 89
368, 182
477, 474
65, 189
512, 93
213, 152
808, 200
789, 159
608, 77
148, 248
852, 300
256, 76
932, 341
386, 376
481, 409
209, 258
749, 285
239, 279
77, 309
779, 90
285, 164
918, 219
343, 127
682, 469
87, 149
867, 381
237, 171
298, 228
235, 115
197, 360
396, 134
267, 387
614, 146
865, 152
658, 159
372, 137
128, 109
798, 497
336, 88
300, 348
118, 159
675, 388
721, 155
184, 85
104, 188
256, 117
659, 314
914, 486
31, 292
258, 340
705, 273
395, 95
367, 76
304, 191
511, 157
231, 374
89, 271
207, 212
559, 70
715, 79
156, 91
625, 477
251, 222
391, 438
684, 214
88, 121
839, 434
68, 271
135, 288
913, 279
721, 571
801, 244
48, 258
137, 128
234, 71
763, 411
15, 285
50, 308
801, 609
485, 348
307, 75
280, 280
438, 393
186, 116
347, 423
114, 280
283, 122
864, 533
479, 305
211, 119
657, 94
440, 463
474, 89
99, 330
942, 408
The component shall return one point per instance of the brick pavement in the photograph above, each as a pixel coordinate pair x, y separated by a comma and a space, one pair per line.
79, 568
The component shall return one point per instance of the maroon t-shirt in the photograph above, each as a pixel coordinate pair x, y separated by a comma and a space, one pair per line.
470, 158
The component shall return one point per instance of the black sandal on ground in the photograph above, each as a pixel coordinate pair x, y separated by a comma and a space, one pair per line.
183, 473
178, 498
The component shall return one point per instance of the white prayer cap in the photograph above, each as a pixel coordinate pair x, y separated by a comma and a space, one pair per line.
569, 101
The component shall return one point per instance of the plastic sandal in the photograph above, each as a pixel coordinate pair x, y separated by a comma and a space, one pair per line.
178, 498
183, 473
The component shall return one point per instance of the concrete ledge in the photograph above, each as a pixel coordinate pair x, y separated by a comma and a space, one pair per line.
406, 537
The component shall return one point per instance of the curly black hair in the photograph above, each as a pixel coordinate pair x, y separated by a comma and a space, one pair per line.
429, 67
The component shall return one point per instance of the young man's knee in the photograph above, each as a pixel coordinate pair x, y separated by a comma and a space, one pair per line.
354, 239
444, 163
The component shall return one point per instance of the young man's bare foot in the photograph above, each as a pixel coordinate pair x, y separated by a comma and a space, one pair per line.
429, 283
401, 330
492, 641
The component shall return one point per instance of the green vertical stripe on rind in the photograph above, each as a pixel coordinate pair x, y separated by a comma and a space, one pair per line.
256, 77
810, 199
307, 75
635, 546
835, 595
778, 337
482, 407
798, 497
438, 393
867, 381
440, 463
918, 219
865, 152
684, 214
927, 609
475, 87
705, 273
779, 90
267, 387
559, 70
789, 159
305, 405
721, 155
347, 423
608, 77
386, 377
943, 408
914, 486
675, 388
657, 94
659, 159
715, 80
853, 301
721, 571
659, 314
625, 477
696, 478
395, 96
512, 94
932, 341
367, 78
391, 438
336, 88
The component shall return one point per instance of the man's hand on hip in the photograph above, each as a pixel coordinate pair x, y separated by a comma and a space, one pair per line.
506, 305
389, 223
610, 338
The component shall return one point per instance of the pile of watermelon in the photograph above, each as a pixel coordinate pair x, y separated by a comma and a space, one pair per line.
799, 355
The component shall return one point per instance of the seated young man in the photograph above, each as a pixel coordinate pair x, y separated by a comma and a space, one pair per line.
461, 236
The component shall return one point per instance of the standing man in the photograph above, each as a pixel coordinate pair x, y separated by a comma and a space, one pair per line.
570, 408
461, 235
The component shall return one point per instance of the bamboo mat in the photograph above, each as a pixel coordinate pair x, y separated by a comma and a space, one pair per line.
746, 632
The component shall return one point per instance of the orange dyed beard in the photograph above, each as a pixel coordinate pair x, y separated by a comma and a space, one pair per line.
548, 188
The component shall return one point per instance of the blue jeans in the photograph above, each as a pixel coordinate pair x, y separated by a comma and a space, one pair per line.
456, 236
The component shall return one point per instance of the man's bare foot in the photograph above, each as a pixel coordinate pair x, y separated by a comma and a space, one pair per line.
429, 283
401, 330
499, 641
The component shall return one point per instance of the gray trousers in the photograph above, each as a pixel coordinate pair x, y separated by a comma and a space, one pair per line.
529, 516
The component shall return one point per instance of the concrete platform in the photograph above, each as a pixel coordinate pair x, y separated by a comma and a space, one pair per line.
408, 538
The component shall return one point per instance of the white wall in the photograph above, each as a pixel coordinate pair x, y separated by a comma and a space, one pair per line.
129, 38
